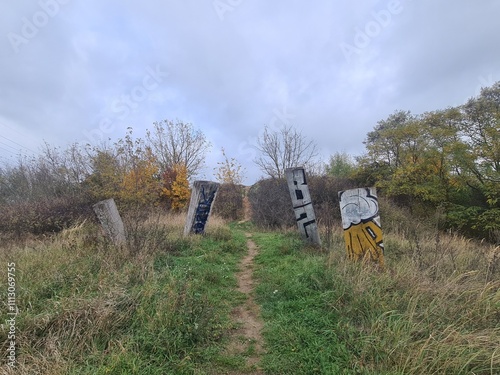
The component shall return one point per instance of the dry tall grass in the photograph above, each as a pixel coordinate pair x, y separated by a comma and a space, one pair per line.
72, 288
436, 308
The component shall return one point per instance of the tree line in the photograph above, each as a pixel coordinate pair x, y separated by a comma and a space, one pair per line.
131, 169
445, 161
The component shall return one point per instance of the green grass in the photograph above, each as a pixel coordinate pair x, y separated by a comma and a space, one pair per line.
87, 307
164, 306
303, 331
326, 315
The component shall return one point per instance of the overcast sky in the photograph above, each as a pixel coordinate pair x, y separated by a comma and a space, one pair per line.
79, 71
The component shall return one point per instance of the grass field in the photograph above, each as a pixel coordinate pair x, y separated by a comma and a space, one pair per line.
164, 305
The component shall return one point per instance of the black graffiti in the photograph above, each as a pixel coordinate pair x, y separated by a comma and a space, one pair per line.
302, 204
369, 199
303, 216
299, 194
304, 182
202, 211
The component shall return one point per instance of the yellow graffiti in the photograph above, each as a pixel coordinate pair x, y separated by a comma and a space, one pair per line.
364, 242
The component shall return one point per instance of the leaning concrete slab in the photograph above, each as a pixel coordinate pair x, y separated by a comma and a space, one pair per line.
302, 204
202, 196
110, 219
361, 223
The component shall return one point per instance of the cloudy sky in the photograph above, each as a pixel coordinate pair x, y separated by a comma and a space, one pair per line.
82, 71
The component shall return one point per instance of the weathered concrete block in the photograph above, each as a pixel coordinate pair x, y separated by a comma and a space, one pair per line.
110, 219
361, 223
202, 196
302, 204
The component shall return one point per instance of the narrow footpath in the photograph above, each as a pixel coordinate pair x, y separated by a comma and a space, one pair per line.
247, 339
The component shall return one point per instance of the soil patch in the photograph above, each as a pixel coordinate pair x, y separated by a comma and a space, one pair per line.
247, 338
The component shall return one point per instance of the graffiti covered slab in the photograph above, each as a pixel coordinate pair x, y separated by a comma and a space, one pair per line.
361, 223
202, 196
302, 204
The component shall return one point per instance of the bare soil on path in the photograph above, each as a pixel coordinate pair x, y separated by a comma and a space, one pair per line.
247, 339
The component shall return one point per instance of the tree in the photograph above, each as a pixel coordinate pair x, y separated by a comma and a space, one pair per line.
391, 141
448, 158
106, 178
442, 130
229, 203
175, 143
481, 130
139, 184
229, 171
407, 153
340, 165
176, 186
282, 149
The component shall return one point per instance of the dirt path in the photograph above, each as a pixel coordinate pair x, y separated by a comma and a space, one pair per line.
247, 208
247, 339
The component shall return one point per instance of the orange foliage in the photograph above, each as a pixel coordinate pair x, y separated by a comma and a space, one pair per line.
176, 186
140, 184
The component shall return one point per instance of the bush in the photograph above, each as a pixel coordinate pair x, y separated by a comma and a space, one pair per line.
45, 216
271, 204
324, 192
229, 202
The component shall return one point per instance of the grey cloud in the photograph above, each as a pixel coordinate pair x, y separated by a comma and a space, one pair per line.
230, 76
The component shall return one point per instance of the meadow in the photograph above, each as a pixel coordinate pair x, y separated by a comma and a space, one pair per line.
165, 304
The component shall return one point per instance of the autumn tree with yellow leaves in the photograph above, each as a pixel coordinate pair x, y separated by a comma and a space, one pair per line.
176, 189
140, 183
229, 171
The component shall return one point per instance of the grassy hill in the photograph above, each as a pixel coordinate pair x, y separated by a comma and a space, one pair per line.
166, 304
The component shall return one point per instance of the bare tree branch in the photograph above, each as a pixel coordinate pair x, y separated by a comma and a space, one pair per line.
282, 149
178, 143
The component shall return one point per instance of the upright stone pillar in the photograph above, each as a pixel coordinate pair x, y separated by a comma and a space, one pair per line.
361, 223
202, 197
302, 204
110, 219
